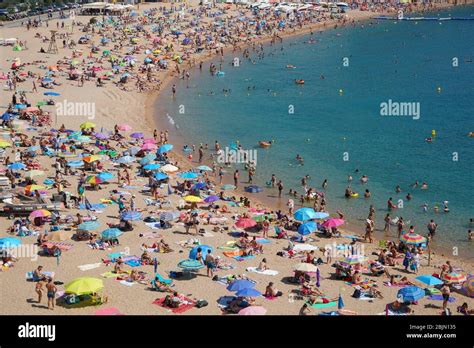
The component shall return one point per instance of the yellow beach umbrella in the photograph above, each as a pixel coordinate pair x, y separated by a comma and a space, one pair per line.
193, 199
87, 125
30, 188
4, 144
84, 285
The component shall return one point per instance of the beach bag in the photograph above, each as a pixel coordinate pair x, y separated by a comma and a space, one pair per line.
201, 303
357, 293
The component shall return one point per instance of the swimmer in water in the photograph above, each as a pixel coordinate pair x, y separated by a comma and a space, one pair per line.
415, 185
364, 179
408, 196
446, 208
425, 207
424, 186
470, 235
398, 189
367, 193
300, 159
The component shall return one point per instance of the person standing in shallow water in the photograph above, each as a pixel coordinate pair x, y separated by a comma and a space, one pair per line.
236, 178
173, 90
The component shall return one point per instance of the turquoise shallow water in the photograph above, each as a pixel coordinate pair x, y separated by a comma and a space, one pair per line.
405, 62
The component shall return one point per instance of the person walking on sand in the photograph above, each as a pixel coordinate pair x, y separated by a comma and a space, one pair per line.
210, 263
39, 289
446, 291
291, 206
266, 227
51, 293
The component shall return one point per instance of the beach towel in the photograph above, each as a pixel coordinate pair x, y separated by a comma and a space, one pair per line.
243, 258
115, 255
228, 248
265, 272
226, 266
440, 298
232, 253
350, 236
152, 235
181, 309
153, 225
271, 298
132, 187
95, 207
89, 266
235, 234
127, 283
389, 312
61, 245
324, 305
163, 280
110, 274
262, 241
133, 263
395, 284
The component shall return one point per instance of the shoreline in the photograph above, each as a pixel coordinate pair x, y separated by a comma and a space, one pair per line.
160, 122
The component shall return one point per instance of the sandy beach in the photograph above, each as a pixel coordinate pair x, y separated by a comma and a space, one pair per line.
132, 103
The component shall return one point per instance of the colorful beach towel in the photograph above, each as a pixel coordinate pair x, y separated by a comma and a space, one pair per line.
133, 263
265, 272
243, 258
181, 309
110, 274
233, 253
127, 283
262, 241
324, 305
440, 298
108, 311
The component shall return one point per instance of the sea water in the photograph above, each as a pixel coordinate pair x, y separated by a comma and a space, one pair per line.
335, 120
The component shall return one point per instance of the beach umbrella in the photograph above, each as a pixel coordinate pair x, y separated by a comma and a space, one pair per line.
204, 168
126, 159
340, 302
58, 236
137, 135
193, 199
320, 215
149, 141
190, 265
32, 173
169, 215
124, 127
84, 285
111, 233
169, 168
253, 310
106, 176
211, 199
149, 147
355, 259
160, 176
152, 166
4, 144
468, 286
31, 188
89, 226
92, 158
333, 222
52, 94
16, 166
131, 215
245, 223
307, 228
452, 278
165, 148
198, 186
304, 214
248, 292
9, 242
6, 116
188, 175
101, 135
429, 280
87, 125
75, 163
39, 213
411, 293
261, 217
204, 250
228, 187
253, 189
412, 238
305, 267
240, 284
94, 180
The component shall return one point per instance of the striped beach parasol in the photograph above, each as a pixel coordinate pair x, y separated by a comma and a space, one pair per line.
452, 278
412, 238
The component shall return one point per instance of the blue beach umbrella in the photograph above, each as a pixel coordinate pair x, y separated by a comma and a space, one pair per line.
188, 175
106, 176
131, 216
16, 166
307, 228
165, 148
6, 116
75, 163
240, 284
211, 199
89, 226
9, 242
204, 251
198, 186
304, 214
52, 94
160, 176
152, 166
190, 265
411, 293
429, 280
111, 233
248, 292
253, 189
126, 159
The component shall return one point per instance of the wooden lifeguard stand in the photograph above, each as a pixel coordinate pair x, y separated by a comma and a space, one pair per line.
53, 47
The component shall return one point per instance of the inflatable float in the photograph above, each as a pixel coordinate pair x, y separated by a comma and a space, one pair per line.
265, 144
299, 82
